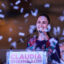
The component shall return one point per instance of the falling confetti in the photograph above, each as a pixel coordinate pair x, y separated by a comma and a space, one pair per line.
53, 41
26, 15
0, 10
1, 37
3, 5
47, 5
17, 2
9, 39
13, 44
21, 10
62, 62
21, 34
35, 12
30, 4
61, 38
63, 33
32, 28
2, 16
11, 4
16, 7
61, 18
56, 31
21, 40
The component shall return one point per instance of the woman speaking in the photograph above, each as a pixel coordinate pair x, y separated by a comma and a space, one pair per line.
43, 41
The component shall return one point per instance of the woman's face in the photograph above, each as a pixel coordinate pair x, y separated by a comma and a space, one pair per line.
42, 23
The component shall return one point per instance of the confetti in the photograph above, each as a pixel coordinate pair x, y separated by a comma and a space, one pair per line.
47, 5
21, 10
15, 7
26, 15
53, 41
21, 34
3, 5
56, 31
11, 4
0, 10
35, 12
13, 44
9, 39
61, 38
21, 40
30, 4
32, 28
2, 16
1, 37
61, 18
17, 2
48, 29
63, 33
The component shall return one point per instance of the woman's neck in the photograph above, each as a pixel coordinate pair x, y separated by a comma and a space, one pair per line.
43, 36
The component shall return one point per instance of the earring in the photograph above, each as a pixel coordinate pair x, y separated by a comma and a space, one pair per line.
48, 28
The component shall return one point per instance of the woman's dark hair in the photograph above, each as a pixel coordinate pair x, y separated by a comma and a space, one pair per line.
46, 17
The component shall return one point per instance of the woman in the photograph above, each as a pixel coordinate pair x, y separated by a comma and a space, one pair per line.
43, 41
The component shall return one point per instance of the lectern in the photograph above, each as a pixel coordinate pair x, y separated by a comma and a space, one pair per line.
26, 57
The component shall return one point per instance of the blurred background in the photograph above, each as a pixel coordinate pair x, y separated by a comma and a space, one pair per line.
18, 19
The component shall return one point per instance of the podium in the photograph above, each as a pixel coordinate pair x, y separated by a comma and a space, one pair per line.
26, 57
